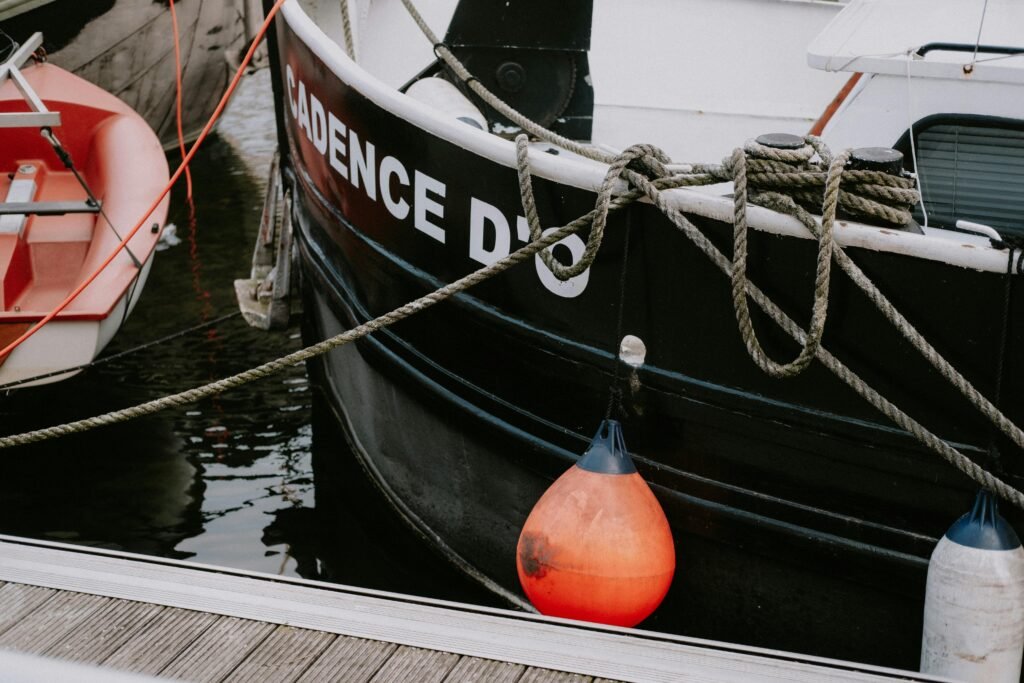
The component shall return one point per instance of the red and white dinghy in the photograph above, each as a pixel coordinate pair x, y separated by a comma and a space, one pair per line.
59, 223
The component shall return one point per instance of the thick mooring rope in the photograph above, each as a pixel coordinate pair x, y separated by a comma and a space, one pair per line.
819, 311
530, 126
880, 195
346, 30
356, 333
654, 193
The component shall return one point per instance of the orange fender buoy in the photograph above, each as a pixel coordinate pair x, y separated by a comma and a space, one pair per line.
597, 545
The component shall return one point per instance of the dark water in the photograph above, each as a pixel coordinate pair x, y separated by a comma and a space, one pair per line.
225, 481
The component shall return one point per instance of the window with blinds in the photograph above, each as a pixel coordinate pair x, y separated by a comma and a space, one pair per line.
972, 170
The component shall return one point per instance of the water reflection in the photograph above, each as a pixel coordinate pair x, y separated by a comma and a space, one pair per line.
198, 482
228, 480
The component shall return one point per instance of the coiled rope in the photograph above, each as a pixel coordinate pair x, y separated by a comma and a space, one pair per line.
653, 190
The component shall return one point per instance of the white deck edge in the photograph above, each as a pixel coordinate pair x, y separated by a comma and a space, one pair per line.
559, 644
937, 245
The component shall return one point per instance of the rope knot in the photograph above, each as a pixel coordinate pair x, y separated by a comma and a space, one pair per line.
647, 160
637, 165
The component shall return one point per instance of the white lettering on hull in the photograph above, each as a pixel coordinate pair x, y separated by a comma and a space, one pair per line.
355, 161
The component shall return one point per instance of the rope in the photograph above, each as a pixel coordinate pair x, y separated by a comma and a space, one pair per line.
530, 126
604, 196
643, 186
615, 392
167, 188
271, 367
879, 402
819, 310
92, 200
994, 458
121, 354
653, 190
346, 29
773, 166
178, 96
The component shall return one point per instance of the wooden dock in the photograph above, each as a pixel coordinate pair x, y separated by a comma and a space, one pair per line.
178, 620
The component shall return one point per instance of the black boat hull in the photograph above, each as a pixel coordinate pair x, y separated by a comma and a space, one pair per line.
802, 521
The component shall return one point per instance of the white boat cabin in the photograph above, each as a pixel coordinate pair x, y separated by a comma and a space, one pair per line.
947, 76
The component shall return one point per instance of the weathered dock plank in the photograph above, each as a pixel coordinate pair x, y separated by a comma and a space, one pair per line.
476, 670
18, 600
149, 651
416, 664
354, 660
198, 623
218, 650
107, 629
285, 654
53, 619
534, 675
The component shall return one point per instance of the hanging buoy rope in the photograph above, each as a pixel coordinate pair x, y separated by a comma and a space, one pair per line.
143, 220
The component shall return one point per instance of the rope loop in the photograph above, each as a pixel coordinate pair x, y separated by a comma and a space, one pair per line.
798, 158
642, 160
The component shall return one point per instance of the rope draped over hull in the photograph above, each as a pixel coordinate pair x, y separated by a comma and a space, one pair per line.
742, 287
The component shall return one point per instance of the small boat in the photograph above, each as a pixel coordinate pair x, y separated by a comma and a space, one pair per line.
803, 518
79, 170
124, 47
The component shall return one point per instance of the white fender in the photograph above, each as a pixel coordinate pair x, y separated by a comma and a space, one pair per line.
974, 601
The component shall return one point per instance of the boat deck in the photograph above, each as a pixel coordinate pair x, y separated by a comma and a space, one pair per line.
165, 618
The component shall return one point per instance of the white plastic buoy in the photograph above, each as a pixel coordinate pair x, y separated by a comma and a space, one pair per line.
448, 99
974, 601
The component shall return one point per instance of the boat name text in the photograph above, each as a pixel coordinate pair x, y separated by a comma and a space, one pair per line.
354, 159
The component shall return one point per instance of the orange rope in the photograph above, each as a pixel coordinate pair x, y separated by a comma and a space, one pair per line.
177, 73
156, 202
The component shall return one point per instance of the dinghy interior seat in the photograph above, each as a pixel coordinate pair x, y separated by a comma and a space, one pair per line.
46, 252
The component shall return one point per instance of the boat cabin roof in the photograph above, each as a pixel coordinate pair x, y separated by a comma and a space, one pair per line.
934, 38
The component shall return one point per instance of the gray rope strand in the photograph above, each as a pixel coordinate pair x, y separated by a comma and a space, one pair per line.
872, 184
532, 127
968, 467
784, 204
346, 28
274, 366
654, 192
819, 309
601, 206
